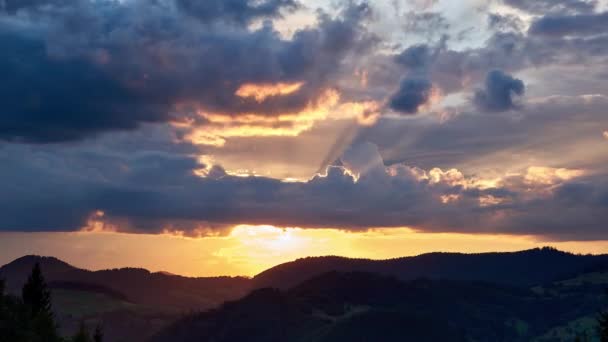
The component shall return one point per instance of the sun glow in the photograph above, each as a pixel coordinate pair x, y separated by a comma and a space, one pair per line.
250, 249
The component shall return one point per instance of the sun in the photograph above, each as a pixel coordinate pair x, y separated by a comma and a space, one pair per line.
270, 239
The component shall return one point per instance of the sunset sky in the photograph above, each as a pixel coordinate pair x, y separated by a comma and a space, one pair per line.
222, 137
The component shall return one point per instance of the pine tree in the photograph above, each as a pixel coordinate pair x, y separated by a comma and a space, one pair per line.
82, 335
603, 326
36, 295
36, 298
98, 336
581, 337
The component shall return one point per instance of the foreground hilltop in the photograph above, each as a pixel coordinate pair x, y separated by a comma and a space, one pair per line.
138, 285
357, 306
132, 303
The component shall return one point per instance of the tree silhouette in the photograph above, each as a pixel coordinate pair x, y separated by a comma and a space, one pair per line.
581, 337
82, 335
36, 295
603, 326
36, 298
98, 335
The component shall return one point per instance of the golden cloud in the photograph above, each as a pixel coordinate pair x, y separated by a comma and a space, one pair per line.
541, 175
219, 126
262, 91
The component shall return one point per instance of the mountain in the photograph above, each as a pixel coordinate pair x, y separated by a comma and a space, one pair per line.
540, 293
525, 268
17, 271
307, 313
138, 285
356, 306
132, 303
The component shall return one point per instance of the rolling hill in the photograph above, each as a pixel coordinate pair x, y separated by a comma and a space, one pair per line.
525, 268
140, 286
132, 303
355, 306
336, 299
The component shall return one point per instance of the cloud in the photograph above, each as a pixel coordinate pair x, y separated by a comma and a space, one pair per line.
241, 11
562, 25
429, 24
74, 69
548, 130
416, 57
505, 22
544, 6
236, 90
157, 192
413, 93
497, 95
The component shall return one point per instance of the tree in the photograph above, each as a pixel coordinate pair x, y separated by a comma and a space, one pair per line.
602, 321
36, 298
98, 335
35, 293
581, 337
82, 335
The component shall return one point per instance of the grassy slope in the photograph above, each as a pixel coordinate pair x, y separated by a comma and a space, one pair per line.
122, 320
587, 288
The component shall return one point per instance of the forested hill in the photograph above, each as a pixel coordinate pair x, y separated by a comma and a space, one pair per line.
524, 268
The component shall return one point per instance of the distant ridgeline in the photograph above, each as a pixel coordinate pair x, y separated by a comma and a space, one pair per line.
540, 294
524, 269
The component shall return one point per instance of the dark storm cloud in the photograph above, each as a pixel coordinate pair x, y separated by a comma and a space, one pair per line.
73, 69
507, 49
52, 99
12, 6
451, 70
412, 94
562, 25
497, 94
241, 11
416, 57
76, 68
152, 192
238, 11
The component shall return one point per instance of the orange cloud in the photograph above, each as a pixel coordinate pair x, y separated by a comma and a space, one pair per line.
262, 91
218, 126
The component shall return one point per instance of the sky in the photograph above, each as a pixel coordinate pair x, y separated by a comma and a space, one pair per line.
227, 136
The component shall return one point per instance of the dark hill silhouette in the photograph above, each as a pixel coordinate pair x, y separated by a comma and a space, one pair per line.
136, 285
358, 306
487, 296
132, 303
269, 315
17, 271
84, 287
525, 268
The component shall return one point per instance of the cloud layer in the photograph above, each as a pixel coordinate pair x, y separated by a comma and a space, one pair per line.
154, 116
77, 68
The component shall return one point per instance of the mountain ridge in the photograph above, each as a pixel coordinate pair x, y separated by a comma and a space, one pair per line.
521, 268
